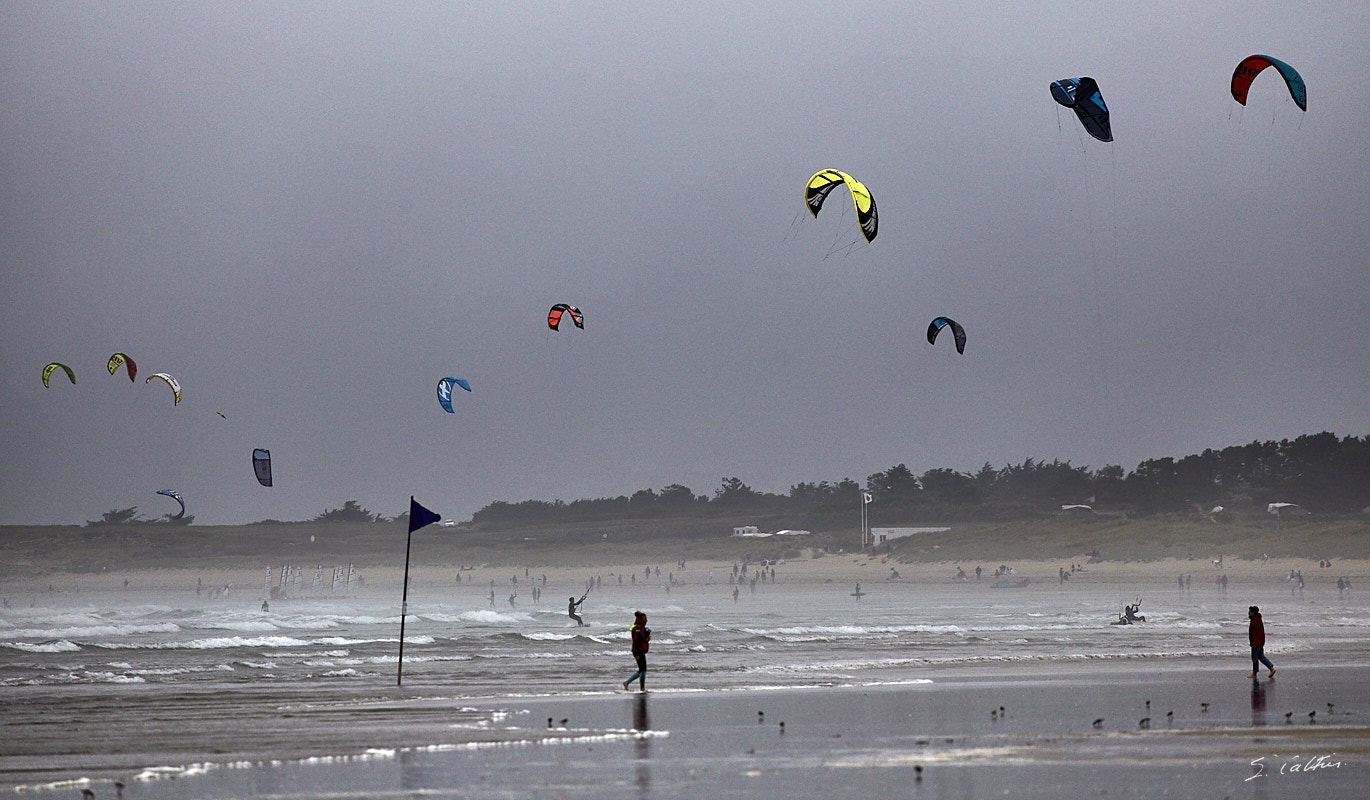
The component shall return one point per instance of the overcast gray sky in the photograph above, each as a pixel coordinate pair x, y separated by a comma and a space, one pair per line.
308, 214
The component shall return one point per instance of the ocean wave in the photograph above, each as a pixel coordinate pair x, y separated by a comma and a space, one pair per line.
241, 626
109, 677
213, 643
853, 630
494, 617
94, 631
549, 636
62, 646
337, 641
531, 656
331, 662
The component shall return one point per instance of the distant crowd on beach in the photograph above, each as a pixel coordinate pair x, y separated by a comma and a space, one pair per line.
743, 574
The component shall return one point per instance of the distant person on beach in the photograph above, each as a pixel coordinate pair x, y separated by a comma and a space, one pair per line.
642, 639
575, 604
1256, 633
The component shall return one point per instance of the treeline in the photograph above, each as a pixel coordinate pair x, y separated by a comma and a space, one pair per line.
1320, 472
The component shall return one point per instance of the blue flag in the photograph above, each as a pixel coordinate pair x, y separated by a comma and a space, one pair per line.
420, 516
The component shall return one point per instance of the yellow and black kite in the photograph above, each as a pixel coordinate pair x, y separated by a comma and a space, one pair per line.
824, 181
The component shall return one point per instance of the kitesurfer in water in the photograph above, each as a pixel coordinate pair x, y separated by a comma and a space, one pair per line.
571, 609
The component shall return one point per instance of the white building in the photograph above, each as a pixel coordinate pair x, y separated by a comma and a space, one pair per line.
1286, 510
751, 531
882, 535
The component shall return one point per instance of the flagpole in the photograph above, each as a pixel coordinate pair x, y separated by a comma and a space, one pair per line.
404, 601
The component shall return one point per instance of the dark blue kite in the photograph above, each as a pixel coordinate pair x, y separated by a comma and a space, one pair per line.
1083, 95
261, 464
957, 332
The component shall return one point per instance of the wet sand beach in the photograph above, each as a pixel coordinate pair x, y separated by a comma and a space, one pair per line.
942, 735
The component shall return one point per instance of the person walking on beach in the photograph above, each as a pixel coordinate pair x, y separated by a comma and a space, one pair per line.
574, 604
642, 639
1256, 633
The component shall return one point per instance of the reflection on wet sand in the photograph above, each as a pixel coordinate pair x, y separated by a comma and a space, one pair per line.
642, 747
1257, 704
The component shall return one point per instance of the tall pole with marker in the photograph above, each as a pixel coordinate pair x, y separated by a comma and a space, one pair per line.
418, 517
866, 498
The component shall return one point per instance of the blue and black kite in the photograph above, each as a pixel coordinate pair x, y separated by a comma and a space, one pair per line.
1083, 95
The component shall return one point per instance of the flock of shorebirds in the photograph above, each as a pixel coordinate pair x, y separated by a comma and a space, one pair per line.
1145, 722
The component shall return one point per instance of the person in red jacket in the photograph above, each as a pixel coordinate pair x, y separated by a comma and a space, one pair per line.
642, 639
1256, 633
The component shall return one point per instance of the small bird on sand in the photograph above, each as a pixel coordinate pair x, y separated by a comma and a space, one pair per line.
1288, 716
549, 723
782, 726
86, 793
1099, 723
565, 720
918, 772
1148, 705
1312, 714
119, 788
1169, 716
1144, 723
1204, 706
1329, 708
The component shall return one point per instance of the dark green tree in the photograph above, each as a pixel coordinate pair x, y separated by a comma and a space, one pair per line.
116, 516
733, 492
351, 511
895, 483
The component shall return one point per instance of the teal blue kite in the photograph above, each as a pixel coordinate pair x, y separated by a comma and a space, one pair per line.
445, 392
175, 495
